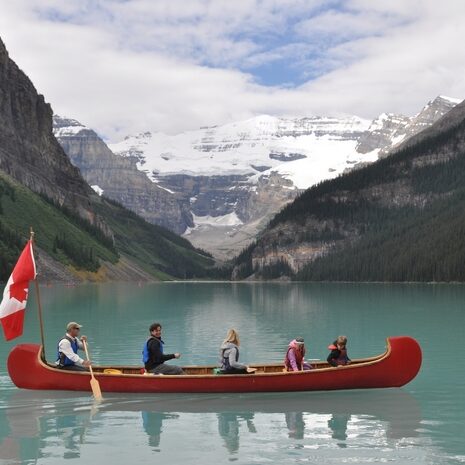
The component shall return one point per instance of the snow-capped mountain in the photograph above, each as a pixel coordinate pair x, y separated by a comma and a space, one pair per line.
389, 130
229, 180
236, 176
303, 150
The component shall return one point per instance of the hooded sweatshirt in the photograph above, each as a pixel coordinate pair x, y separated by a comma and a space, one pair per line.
294, 356
230, 352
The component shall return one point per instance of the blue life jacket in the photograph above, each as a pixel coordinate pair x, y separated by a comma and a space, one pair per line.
62, 359
145, 350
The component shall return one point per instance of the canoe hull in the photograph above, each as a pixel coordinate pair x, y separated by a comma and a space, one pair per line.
398, 366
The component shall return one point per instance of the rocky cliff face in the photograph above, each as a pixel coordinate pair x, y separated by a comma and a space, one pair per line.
228, 212
118, 178
40, 186
398, 219
389, 130
28, 150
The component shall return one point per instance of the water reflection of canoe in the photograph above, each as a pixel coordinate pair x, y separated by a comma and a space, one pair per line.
397, 366
36, 419
397, 408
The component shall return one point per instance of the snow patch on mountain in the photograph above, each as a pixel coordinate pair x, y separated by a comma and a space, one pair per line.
454, 101
63, 127
97, 189
227, 222
231, 219
304, 150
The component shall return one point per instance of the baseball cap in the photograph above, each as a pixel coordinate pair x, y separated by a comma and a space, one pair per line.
73, 324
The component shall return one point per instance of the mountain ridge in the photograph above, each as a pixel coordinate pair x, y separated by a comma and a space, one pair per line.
227, 181
117, 177
399, 219
80, 235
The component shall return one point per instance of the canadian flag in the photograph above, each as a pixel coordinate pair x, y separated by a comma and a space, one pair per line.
15, 294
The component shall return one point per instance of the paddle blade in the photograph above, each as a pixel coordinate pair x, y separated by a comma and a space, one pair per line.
94, 384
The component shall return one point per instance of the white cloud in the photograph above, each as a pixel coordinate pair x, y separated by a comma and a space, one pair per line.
125, 67
336, 26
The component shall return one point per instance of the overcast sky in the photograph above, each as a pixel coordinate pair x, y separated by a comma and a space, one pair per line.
123, 67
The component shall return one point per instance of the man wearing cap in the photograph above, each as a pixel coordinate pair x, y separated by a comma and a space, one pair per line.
67, 357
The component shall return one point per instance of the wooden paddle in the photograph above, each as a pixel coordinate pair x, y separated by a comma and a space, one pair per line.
94, 384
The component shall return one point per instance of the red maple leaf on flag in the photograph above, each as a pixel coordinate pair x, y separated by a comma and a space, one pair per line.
14, 300
19, 291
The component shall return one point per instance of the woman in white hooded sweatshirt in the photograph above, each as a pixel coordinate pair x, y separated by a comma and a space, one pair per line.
230, 356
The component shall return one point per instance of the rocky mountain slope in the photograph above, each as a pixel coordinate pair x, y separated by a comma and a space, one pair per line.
79, 234
117, 177
28, 150
399, 219
388, 131
234, 178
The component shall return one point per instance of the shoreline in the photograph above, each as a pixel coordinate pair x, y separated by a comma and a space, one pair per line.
219, 281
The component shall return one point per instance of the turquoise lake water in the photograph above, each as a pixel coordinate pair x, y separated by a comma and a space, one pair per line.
421, 423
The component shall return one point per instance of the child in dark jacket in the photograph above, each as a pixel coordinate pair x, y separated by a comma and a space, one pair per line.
338, 355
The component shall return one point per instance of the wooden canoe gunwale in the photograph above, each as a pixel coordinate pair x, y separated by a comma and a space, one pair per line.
357, 363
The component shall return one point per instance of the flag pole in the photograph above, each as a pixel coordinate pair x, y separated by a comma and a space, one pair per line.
39, 306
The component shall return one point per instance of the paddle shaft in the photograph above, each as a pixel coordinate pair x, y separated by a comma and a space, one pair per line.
94, 384
88, 358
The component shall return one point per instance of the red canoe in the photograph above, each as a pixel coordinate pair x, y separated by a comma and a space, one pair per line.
398, 365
